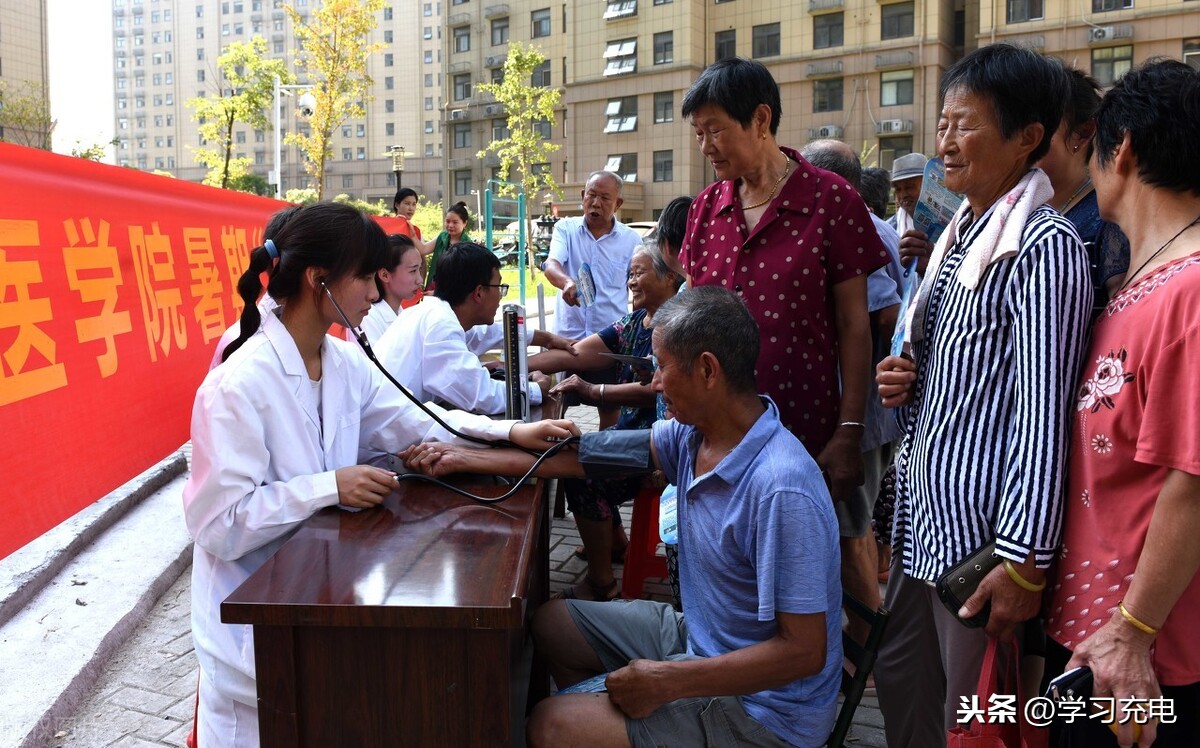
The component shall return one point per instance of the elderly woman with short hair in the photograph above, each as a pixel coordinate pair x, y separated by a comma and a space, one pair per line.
996, 334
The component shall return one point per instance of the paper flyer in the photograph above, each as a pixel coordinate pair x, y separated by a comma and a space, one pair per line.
585, 284
936, 205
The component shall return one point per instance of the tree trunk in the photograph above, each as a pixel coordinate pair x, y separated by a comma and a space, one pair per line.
228, 151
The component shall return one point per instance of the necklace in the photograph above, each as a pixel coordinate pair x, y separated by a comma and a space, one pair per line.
787, 169
1087, 182
1157, 252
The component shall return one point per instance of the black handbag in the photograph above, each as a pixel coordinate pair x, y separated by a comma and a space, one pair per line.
959, 582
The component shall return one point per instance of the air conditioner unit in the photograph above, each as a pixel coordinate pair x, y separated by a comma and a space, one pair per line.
891, 125
458, 114
492, 109
1100, 34
829, 131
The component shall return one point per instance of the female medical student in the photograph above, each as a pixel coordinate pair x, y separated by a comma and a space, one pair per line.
278, 428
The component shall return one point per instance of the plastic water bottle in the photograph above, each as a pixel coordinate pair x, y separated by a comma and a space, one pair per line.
668, 517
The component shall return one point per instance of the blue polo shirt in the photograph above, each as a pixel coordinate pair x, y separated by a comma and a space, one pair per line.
757, 536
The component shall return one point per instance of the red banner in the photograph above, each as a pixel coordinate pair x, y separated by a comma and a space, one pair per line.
115, 285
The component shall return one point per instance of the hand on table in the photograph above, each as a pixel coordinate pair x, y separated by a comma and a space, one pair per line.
362, 486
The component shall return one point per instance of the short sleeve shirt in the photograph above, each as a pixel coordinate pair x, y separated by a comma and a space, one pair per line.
607, 258
629, 337
1135, 419
815, 234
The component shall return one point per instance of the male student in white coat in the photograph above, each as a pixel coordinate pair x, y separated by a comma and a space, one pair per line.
433, 348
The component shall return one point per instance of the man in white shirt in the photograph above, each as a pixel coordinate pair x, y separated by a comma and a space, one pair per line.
433, 348
589, 257
908, 176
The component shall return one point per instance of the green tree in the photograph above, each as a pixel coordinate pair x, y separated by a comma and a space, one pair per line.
25, 114
429, 218
246, 92
93, 152
528, 107
333, 53
255, 184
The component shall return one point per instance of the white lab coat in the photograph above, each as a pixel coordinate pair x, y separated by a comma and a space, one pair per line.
376, 323
429, 352
263, 461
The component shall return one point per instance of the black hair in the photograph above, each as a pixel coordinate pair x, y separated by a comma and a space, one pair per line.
1158, 104
279, 220
1024, 88
402, 193
672, 223
711, 319
398, 246
463, 268
331, 236
460, 209
738, 86
875, 187
1080, 106
834, 156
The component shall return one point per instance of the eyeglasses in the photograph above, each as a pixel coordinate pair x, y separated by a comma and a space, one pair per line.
502, 286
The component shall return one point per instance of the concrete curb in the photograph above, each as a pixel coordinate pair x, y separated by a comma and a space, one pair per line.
27, 571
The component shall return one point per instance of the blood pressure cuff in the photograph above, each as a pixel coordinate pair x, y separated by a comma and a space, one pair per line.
612, 453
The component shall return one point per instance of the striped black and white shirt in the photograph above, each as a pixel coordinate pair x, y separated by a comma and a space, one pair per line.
985, 447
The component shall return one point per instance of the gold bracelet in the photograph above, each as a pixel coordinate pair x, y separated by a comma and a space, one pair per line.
1021, 581
1145, 628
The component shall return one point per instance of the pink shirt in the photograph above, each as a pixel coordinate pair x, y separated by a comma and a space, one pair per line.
815, 234
1135, 419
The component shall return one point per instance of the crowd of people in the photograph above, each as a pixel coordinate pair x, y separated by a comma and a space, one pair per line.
744, 354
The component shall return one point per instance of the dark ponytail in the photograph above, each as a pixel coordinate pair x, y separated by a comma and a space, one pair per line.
332, 236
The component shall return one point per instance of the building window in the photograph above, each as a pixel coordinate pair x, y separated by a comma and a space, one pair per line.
766, 40
541, 22
664, 47
389, 83
429, 127
427, 10
429, 80
664, 107
462, 86
623, 165
389, 37
428, 104
360, 131
828, 30
896, 21
896, 87
500, 129
621, 57
200, 75
1110, 63
499, 31
1191, 53
347, 154
891, 149
428, 33
622, 115
541, 75
726, 44
1025, 10
389, 105
1099, 6
827, 95
429, 57
664, 166
389, 128
360, 153
389, 60
462, 182
387, 13
543, 129
620, 9
462, 39
429, 152
462, 136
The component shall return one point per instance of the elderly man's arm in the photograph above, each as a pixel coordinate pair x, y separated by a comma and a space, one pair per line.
841, 458
559, 279
796, 651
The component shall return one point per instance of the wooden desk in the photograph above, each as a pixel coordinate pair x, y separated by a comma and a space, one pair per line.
403, 625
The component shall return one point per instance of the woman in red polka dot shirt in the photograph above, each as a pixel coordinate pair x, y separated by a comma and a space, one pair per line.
796, 244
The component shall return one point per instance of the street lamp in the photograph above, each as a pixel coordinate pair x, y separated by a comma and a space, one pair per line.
307, 104
396, 152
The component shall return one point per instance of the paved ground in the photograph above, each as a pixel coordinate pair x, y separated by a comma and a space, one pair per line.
145, 696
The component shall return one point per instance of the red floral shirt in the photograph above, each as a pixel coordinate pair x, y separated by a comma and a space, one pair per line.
815, 234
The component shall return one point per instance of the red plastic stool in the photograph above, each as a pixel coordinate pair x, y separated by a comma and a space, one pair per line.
641, 559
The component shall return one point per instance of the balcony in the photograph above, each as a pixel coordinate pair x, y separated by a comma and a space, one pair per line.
1034, 41
827, 67
899, 59
458, 19
496, 11
458, 67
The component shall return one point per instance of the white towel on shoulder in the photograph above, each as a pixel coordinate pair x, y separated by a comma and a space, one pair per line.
999, 240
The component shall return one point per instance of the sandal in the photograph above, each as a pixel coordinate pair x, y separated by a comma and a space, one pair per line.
599, 592
618, 553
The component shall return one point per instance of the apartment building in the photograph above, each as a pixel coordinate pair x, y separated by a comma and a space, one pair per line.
864, 71
23, 60
165, 53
